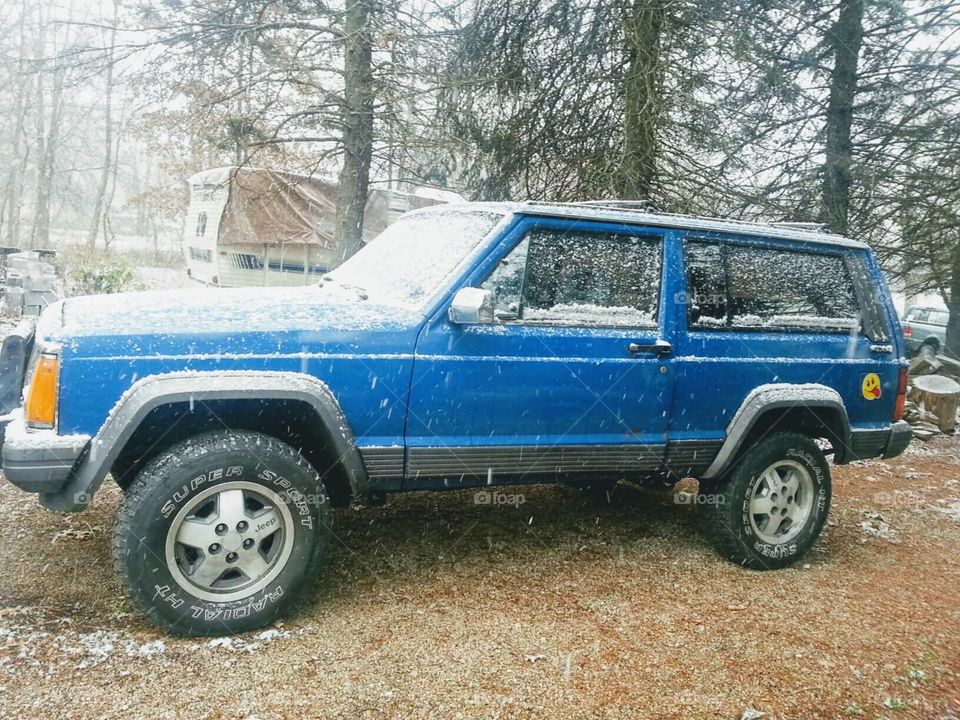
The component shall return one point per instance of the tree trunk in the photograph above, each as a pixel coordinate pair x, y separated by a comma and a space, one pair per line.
47, 162
98, 209
143, 205
844, 40
108, 234
156, 240
357, 126
19, 153
643, 102
953, 305
18, 167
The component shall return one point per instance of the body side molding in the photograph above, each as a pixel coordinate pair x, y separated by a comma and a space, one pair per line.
156, 390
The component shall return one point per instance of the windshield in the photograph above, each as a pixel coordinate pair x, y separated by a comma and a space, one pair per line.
410, 259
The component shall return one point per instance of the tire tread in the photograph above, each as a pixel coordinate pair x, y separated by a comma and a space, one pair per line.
715, 521
125, 540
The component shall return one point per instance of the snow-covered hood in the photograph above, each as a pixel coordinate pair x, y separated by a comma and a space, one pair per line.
224, 320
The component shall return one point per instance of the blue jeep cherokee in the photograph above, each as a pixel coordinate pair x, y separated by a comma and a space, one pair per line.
473, 345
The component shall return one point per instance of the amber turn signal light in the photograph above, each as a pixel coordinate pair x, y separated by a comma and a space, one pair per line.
901, 400
41, 407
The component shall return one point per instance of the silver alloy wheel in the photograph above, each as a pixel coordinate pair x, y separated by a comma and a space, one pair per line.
781, 502
229, 541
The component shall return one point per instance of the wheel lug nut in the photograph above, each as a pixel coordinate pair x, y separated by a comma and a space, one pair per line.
220, 529
242, 526
248, 543
231, 557
214, 548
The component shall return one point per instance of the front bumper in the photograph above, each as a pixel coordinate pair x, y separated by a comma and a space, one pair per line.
40, 461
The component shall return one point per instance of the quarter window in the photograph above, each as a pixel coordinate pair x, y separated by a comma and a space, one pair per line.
741, 286
558, 277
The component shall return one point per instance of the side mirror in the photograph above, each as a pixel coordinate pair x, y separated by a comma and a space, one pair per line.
471, 306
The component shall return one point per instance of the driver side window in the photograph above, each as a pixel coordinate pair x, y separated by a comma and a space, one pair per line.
560, 277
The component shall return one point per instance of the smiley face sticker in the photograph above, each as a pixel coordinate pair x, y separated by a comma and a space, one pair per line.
871, 386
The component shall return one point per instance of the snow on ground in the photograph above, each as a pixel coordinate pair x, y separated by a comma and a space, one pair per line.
31, 642
434, 606
162, 278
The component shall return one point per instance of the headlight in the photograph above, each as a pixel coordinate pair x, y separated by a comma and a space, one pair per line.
41, 407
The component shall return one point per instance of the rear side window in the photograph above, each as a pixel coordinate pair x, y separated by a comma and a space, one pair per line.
787, 289
559, 277
747, 287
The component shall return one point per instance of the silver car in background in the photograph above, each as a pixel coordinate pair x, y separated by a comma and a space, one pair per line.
925, 329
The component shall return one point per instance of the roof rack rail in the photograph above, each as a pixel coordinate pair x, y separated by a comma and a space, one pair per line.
656, 216
818, 227
644, 205
635, 205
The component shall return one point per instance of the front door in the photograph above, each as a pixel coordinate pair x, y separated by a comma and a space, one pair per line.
572, 379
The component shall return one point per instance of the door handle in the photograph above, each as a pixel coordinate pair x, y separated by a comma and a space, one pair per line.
881, 348
659, 348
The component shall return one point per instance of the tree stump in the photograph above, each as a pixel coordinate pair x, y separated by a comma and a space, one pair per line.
939, 395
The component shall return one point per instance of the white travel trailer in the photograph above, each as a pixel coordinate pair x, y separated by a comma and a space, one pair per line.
250, 226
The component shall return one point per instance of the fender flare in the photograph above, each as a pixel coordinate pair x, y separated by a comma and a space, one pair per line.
771, 397
153, 391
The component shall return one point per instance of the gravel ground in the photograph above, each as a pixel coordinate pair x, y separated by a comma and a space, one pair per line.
435, 606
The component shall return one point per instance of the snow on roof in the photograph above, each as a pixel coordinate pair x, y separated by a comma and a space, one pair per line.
686, 222
213, 176
666, 220
222, 175
438, 194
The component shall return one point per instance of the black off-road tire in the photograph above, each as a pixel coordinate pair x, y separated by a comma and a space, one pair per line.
724, 513
182, 476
